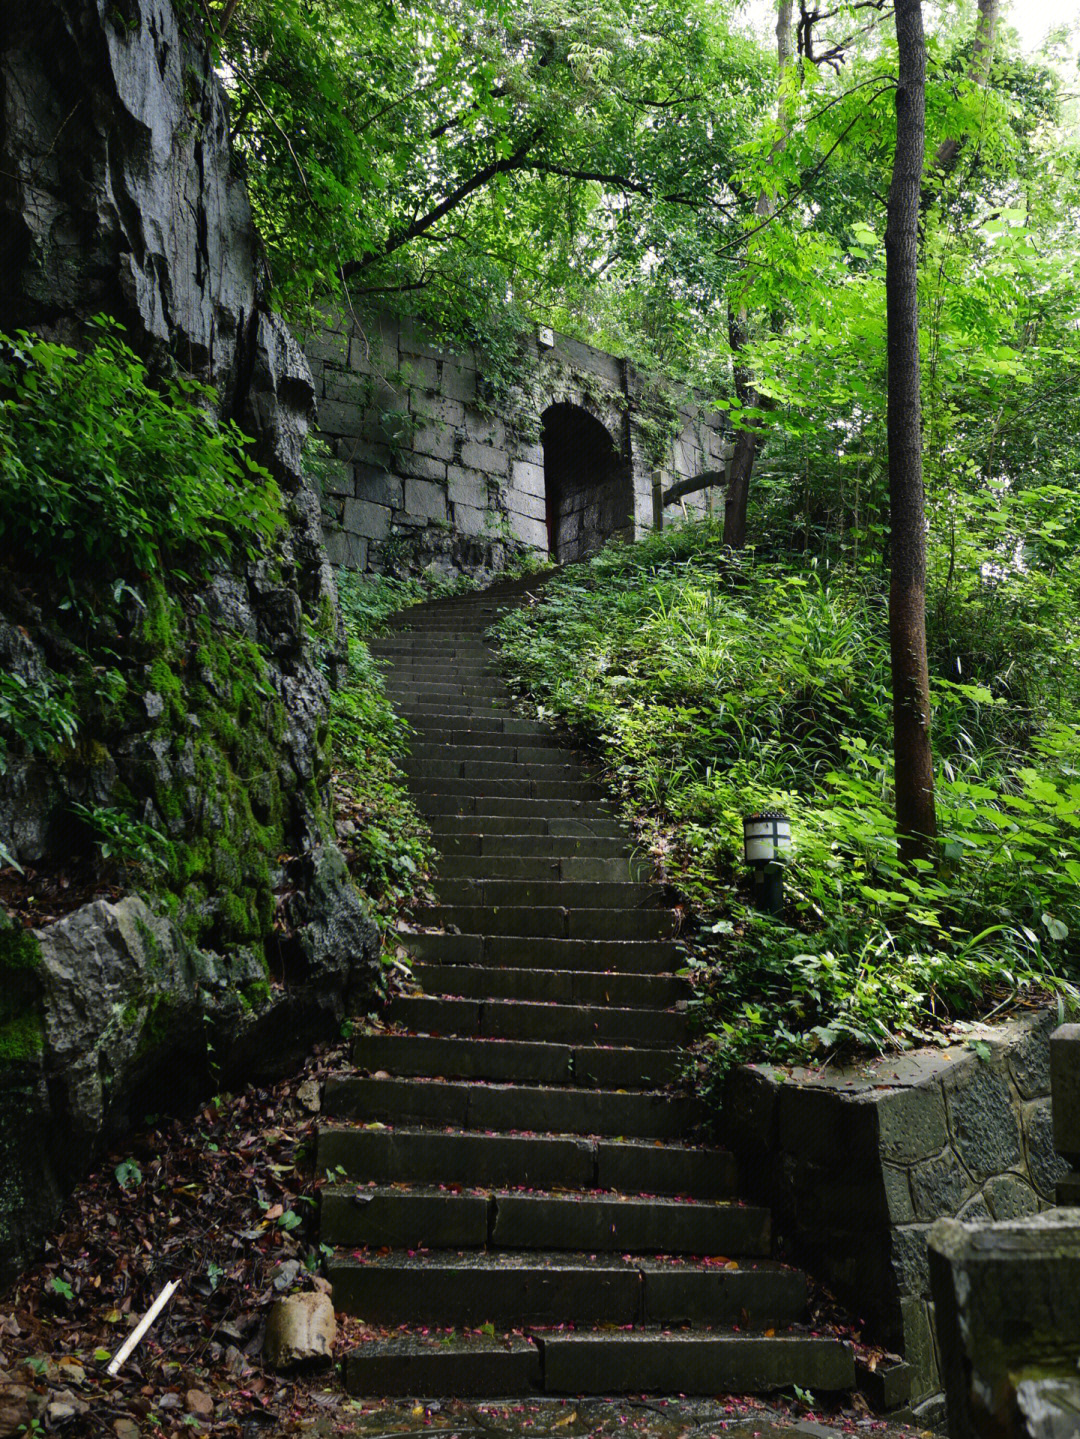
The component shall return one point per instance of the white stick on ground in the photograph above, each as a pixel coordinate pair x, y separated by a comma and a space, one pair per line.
142, 1326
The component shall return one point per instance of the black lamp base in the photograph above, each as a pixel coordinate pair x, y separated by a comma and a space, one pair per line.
768, 881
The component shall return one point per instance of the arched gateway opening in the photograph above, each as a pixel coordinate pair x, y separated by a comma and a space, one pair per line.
586, 485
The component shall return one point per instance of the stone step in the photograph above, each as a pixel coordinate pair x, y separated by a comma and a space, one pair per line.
653, 1114
693, 1363
455, 630
406, 659
698, 1362
375, 1217
473, 691
500, 750
560, 821
463, 846
443, 711
618, 869
563, 986
524, 741
519, 1061
462, 1366
650, 956
405, 656
493, 722
516, 1019
481, 791
538, 893
478, 744
440, 1156
445, 659
498, 814
517, 1289
549, 769
551, 922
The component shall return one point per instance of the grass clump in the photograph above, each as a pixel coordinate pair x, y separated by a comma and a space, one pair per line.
714, 685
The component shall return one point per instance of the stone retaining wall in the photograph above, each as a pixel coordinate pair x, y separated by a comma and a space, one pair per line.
428, 465
857, 1164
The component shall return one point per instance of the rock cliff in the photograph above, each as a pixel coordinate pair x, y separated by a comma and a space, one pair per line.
120, 196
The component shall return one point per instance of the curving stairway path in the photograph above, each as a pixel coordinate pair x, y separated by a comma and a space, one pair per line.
527, 1203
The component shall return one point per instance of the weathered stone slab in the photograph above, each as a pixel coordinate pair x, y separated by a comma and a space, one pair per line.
527, 477
419, 502
529, 532
472, 521
467, 487
488, 458
436, 441
467, 1367
422, 497
1008, 1297
362, 517
1065, 1085
377, 486
691, 1363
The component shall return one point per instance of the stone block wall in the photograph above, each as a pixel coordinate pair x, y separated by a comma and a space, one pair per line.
858, 1164
427, 465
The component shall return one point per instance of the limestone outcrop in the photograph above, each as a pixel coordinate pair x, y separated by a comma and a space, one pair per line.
120, 196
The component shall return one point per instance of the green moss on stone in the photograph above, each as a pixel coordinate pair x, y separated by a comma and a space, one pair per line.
21, 1039
255, 994
156, 1024
19, 948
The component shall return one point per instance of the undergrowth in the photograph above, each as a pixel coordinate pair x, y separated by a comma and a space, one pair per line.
386, 842
713, 685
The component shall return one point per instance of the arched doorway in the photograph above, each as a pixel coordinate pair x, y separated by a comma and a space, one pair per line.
586, 486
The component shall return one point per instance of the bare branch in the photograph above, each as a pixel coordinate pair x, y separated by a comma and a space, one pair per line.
420, 224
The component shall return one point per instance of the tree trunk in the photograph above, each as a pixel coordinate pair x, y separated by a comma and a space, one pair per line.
747, 441
914, 777
738, 488
982, 57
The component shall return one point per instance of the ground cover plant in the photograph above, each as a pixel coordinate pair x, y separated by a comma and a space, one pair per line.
714, 684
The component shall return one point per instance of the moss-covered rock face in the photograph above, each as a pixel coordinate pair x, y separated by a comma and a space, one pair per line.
20, 992
217, 772
169, 712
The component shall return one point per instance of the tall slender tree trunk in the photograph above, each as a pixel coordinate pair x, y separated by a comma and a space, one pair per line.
982, 57
914, 778
741, 464
747, 441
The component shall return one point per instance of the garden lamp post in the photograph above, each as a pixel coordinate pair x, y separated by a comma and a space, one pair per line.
766, 845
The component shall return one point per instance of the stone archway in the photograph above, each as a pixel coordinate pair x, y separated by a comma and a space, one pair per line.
586, 486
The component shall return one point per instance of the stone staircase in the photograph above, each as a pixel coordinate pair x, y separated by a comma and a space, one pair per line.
526, 1202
